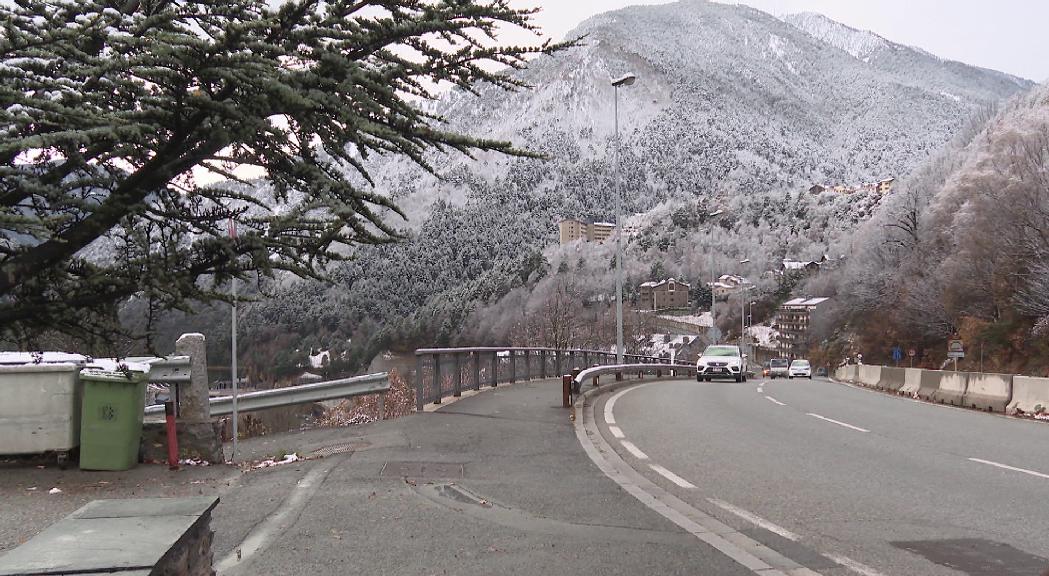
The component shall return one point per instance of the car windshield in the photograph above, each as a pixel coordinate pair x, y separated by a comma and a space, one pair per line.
721, 351
800, 363
778, 363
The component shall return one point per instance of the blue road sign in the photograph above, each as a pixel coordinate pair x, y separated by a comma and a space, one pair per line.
897, 353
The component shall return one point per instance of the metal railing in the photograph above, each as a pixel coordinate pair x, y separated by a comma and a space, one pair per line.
306, 393
442, 372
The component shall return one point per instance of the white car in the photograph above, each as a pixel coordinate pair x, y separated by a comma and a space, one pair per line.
721, 361
800, 369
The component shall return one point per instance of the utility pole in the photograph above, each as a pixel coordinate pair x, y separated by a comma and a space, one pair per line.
233, 346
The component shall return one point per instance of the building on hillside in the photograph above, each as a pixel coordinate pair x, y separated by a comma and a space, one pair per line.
669, 293
817, 189
729, 284
792, 322
885, 186
572, 230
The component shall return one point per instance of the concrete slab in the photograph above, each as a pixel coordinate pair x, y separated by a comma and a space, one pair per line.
144, 507
108, 536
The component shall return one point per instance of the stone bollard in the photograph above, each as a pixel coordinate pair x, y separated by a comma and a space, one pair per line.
198, 436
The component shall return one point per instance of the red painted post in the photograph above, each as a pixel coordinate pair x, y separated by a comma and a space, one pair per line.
566, 390
169, 417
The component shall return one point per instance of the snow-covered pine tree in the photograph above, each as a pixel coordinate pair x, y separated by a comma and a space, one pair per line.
111, 110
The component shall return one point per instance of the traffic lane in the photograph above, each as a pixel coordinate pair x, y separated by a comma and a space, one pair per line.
965, 433
841, 490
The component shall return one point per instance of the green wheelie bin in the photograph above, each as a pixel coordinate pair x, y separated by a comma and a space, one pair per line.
111, 419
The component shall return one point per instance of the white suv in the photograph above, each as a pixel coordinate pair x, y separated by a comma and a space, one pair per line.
721, 361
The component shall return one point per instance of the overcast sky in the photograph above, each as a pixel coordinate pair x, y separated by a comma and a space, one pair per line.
1006, 35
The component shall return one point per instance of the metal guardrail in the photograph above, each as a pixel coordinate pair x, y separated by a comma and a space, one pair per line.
291, 395
598, 371
170, 370
442, 372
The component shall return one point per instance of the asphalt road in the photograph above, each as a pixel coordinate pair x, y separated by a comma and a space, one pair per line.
834, 476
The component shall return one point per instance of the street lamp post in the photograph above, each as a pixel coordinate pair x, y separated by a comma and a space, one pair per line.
713, 278
624, 80
742, 309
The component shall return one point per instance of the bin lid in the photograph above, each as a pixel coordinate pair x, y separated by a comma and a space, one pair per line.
120, 376
24, 368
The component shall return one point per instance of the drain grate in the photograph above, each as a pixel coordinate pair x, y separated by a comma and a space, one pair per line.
337, 449
421, 470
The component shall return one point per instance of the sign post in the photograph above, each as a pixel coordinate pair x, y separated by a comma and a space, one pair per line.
911, 352
955, 350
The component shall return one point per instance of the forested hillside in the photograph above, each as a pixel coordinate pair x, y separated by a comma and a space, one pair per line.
962, 247
734, 111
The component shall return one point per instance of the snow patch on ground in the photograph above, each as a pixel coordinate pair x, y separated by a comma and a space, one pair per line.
765, 336
703, 319
320, 359
860, 44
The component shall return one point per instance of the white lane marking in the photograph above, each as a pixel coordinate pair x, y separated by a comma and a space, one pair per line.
839, 423
616, 432
634, 450
754, 519
671, 476
760, 389
1007, 467
610, 417
774, 401
853, 565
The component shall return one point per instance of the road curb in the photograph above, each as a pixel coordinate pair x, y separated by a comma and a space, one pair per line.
737, 546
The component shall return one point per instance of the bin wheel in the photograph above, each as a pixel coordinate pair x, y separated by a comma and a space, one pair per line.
62, 458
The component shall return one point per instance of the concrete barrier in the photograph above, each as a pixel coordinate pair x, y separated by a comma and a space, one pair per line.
912, 380
930, 383
989, 391
848, 373
951, 387
892, 379
869, 375
1029, 394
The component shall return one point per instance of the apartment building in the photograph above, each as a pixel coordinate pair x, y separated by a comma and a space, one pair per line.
572, 230
793, 320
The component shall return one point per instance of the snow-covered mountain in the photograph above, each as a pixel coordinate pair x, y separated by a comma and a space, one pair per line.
734, 109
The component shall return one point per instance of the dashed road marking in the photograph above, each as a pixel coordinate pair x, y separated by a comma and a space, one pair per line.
634, 450
671, 476
616, 432
755, 519
774, 401
838, 422
1013, 468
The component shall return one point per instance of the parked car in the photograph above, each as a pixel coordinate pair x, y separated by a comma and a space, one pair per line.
721, 361
779, 367
800, 368
765, 370
821, 372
